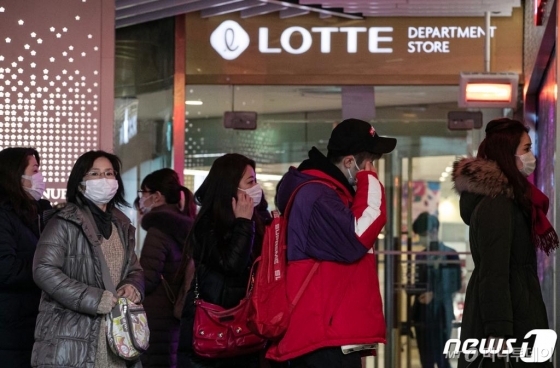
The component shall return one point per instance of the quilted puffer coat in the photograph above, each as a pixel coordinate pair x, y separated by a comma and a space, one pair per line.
68, 271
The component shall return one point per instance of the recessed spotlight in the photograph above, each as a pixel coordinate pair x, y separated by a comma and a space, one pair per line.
194, 103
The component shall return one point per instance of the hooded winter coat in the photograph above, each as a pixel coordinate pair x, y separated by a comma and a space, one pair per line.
167, 229
19, 296
67, 269
503, 296
337, 228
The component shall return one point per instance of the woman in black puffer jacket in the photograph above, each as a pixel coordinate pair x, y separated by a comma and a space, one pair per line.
167, 228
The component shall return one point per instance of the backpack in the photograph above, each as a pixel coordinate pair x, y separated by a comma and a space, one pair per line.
270, 308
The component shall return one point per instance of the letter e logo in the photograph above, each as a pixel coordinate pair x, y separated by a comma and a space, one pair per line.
229, 40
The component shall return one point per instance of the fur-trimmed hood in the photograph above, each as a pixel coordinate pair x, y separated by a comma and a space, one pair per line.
480, 176
476, 178
169, 220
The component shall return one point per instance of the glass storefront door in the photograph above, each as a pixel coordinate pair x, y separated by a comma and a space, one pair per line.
423, 268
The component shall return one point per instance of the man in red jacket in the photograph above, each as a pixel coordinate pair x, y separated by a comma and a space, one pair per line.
340, 315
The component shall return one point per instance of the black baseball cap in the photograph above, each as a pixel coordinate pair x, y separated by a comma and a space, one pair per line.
353, 136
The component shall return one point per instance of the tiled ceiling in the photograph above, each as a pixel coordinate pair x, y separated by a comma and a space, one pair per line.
130, 12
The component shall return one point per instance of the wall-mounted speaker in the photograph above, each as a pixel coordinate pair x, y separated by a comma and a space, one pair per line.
246, 120
464, 120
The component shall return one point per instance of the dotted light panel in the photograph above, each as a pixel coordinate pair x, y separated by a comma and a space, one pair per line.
49, 82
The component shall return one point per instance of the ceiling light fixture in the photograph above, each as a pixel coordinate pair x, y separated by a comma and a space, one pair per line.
194, 103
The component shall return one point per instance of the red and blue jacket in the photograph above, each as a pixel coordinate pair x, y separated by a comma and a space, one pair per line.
337, 227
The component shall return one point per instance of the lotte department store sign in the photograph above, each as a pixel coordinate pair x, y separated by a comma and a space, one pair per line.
230, 39
268, 50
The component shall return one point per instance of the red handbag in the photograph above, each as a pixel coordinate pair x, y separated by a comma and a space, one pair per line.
223, 333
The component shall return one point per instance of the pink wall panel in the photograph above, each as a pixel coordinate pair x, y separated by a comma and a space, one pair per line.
51, 78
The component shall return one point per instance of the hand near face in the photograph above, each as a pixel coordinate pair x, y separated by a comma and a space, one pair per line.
243, 206
370, 167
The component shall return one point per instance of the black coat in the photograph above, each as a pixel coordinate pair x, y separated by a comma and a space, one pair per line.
19, 296
222, 269
503, 296
167, 229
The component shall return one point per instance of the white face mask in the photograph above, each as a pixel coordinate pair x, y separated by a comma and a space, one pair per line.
529, 162
37, 185
142, 204
254, 192
351, 179
100, 191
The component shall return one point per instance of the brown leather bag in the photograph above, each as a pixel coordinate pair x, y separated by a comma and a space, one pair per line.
182, 295
179, 300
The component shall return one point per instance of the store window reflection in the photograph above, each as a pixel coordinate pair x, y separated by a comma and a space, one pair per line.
292, 119
143, 104
435, 263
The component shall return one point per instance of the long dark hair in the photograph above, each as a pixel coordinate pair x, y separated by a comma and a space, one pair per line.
216, 211
500, 145
166, 181
13, 162
214, 198
83, 164
220, 186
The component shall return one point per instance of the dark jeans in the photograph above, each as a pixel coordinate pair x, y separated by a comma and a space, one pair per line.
327, 357
431, 338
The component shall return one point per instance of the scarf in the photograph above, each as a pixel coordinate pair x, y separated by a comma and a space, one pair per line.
544, 236
103, 219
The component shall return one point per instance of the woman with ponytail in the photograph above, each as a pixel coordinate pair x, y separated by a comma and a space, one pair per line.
167, 227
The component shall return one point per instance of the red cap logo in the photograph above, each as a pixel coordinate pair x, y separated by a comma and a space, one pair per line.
371, 131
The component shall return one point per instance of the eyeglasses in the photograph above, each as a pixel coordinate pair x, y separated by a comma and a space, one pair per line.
109, 174
141, 192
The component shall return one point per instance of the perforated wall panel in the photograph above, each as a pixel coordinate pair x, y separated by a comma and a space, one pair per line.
50, 76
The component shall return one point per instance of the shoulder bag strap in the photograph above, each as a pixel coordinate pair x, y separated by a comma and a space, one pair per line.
107, 282
105, 273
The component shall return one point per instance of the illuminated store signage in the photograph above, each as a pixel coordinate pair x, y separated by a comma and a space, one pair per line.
393, 50
55, 194
230, 39
436, 39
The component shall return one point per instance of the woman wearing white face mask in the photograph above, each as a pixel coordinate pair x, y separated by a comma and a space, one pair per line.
21, 222
167, 227
508, 224
71, 329
225, 239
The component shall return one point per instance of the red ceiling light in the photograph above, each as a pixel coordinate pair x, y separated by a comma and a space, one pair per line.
488, 90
